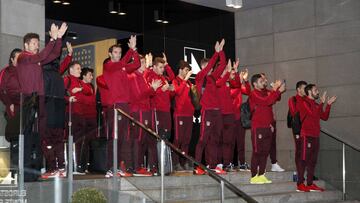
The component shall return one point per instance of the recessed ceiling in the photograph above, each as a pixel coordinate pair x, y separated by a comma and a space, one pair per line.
247, 4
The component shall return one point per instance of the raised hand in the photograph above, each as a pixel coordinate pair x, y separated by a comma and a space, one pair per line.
188, 75
246, 74
282, 87
221, 45
63, 28
132, 42
165, 58
276, 85
331, 100
69, 48
155, 84
236, 65
228, 66
54, 30
323, 97
148, 60
217, 46
165, 86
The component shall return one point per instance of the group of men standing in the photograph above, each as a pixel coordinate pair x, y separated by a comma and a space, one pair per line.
146, 89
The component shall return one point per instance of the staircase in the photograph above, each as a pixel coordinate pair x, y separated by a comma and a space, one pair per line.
185, 187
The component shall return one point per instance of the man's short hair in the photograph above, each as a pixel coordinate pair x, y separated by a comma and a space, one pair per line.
300, 83
12, 55
255, 78
204, 61
85, 71
30, 36
158, 60
73, 63
183, 64
308, 88
113, 47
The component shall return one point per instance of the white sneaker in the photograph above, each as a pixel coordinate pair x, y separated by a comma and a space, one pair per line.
276, 168
109, 174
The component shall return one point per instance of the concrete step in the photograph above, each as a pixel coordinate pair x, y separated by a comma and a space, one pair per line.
189, 179
201, 191
287, 197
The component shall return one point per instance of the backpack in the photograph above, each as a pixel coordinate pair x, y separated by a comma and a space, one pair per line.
294, 122
245, 115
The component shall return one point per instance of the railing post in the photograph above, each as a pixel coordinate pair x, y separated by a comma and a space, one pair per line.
162, 171
70, 155
21, 149
115, 146
222, 196
343, 172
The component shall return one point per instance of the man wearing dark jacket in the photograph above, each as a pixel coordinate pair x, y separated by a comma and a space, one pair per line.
52, 143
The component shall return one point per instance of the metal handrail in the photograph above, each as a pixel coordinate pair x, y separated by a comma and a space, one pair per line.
339, 139
211, 173
343, 151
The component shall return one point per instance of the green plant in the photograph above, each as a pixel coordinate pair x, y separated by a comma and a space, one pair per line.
88, 195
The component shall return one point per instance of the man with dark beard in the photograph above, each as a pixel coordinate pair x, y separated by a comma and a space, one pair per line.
311, 113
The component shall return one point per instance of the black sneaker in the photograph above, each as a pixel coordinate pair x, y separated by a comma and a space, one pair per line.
244, 167
230, 168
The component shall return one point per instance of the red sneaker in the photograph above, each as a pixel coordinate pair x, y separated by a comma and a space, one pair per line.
302, 188
220, 171
142, 172
122, 173
49, 174
199, 171
315, 188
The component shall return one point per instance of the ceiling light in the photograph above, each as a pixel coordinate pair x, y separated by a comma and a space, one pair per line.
65, 3
121, 10
234, 3
165, 21
157, 17
56, 1
111, 7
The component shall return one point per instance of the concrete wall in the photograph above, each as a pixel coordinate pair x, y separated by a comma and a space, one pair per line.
313, 40
18, 17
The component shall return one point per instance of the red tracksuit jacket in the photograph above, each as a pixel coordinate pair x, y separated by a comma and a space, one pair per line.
210, 96
261, 103
183, 104
140, 92
115, 75
310, 115
237, 90
70, 83
161, 100
88, 102
9, 88
295, 107
104, 91
225, 94
29, 67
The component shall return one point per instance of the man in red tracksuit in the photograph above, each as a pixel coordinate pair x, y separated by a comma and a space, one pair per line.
115, 75
228, 119
239, 86
88, 112
105, 99
183, 114
10, 96
211, 120
75, 90
311, 113
160, 102
262, 128
140, 109
273, 158
294, 110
